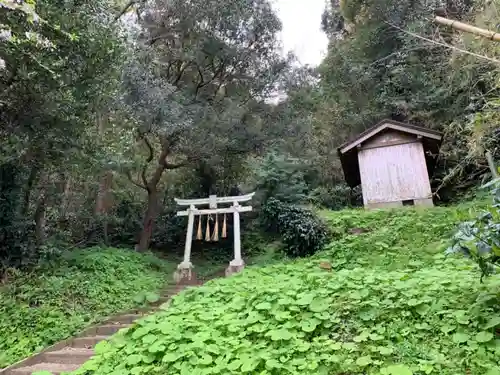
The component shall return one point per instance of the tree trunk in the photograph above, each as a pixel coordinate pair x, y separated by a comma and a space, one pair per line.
151, 187
106, 177
103, 196
39, 216
29, 188
148, 222
65, 199
103, 203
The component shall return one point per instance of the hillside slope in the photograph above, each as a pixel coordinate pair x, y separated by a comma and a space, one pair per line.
392, 304
57, 300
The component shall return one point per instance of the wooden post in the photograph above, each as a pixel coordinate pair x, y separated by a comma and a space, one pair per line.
189, 238
184, 269
491, 163
237, 261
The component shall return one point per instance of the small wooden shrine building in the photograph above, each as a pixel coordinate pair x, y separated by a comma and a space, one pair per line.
392, 161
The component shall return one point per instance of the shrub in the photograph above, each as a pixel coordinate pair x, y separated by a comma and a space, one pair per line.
479, 239
282, 178
302, 232
336, 197
57, 300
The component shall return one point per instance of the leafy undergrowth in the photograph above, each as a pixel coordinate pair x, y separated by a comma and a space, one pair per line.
393, 239
393, 304
57, 300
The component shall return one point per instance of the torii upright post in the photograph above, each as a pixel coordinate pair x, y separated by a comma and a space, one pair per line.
184, 272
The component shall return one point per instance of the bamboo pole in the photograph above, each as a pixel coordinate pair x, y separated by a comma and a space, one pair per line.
468, 28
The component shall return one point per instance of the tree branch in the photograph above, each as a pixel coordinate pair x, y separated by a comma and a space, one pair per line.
129, 176
148, 160
130, 4
176, 165
182, 68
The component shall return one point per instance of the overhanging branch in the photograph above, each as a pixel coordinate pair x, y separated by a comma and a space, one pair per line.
130, 4
130, 178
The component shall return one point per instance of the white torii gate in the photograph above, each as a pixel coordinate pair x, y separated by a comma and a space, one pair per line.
237, 264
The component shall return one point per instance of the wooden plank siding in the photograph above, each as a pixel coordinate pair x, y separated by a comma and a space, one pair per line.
393, 169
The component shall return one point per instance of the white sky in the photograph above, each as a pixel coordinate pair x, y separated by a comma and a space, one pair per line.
302, 29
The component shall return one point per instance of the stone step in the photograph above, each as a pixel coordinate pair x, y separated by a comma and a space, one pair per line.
107, 329
87, 342
68, 355
144, 310
54, 368
110, 329
169, 291
161, 301
126, 319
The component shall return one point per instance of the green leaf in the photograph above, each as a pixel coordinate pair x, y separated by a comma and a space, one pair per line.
149, 338
318, 305
460, 337
272, 363
306, 299
206, 359
422, 309
249, 365
398, 370
484, 336
171, 357
134, 359
280, 334
385, 350
264, 306
234, 365
152, 297
157, 347
364, 361
309, 325
492, 323
447, 328
139, 298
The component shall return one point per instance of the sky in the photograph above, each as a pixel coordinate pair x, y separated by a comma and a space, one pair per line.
302, 29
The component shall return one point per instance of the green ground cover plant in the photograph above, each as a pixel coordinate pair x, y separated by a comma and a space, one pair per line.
392, 304
57, 300
479, 239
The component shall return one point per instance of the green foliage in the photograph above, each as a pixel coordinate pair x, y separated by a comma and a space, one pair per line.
414, 311
479, 239
392, 239
56, 300
337, 197
282, 178
301, 231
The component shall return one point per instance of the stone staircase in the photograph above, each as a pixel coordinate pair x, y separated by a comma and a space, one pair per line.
70, 354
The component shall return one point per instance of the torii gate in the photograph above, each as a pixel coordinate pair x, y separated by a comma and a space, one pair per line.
184, 269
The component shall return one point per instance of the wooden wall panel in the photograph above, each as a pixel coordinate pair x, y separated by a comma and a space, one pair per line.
394, 173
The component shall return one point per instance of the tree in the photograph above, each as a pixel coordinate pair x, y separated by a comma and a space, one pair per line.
203, 68
52, 84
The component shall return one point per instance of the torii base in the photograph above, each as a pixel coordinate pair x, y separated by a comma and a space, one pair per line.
185, 276
232, 269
